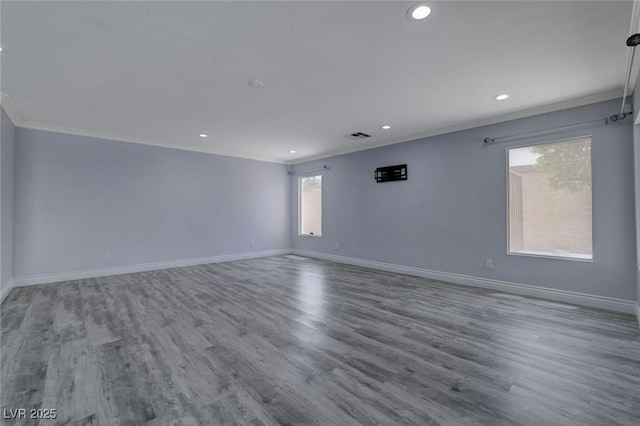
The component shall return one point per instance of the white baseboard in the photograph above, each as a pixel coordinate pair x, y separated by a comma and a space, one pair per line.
582, 299
5, 290
119, 270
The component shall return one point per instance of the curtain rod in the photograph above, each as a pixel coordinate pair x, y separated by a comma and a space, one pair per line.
315, 169
632, 42
605, 121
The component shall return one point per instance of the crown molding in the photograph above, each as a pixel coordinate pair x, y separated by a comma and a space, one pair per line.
543, 109
14, 115
117, 138
10, 109
7, 105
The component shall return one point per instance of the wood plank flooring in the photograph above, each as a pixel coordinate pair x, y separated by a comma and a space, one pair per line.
294, 341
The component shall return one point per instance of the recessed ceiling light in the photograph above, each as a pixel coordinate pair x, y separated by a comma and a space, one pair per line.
203, 135
293, 151
385, 127
256, 84
418, 11
501, 97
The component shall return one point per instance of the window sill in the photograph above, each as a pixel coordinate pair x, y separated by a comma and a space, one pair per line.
551, 256
309, 235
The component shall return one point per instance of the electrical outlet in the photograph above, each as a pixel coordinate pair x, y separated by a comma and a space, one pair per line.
488, 263
105, 255
252, 243
337, 246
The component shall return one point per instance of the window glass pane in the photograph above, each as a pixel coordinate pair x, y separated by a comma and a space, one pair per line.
550, 199
311, 205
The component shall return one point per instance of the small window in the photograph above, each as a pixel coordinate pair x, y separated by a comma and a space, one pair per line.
550, 199
310, 207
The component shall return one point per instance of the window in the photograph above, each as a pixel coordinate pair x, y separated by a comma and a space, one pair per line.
550, 199
310, 205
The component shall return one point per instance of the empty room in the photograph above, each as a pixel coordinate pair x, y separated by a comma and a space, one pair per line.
324, 213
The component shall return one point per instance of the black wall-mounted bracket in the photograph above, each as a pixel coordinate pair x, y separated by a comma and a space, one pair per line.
390, 173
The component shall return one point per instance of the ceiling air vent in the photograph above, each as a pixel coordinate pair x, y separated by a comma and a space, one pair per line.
358, 135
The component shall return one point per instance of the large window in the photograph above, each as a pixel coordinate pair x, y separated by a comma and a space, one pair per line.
310, 205
550, 199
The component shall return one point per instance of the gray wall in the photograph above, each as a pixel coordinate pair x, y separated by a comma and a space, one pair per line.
77, 197
7, 151
636, 151
451, 214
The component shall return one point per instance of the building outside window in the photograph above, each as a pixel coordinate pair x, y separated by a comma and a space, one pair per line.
550, 206
310, 205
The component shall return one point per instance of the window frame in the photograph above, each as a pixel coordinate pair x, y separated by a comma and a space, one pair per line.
299, 191
507, 199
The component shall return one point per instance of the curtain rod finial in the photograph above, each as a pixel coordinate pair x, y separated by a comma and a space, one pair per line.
633, 40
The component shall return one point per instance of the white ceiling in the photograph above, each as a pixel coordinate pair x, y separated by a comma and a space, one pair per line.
163, 72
